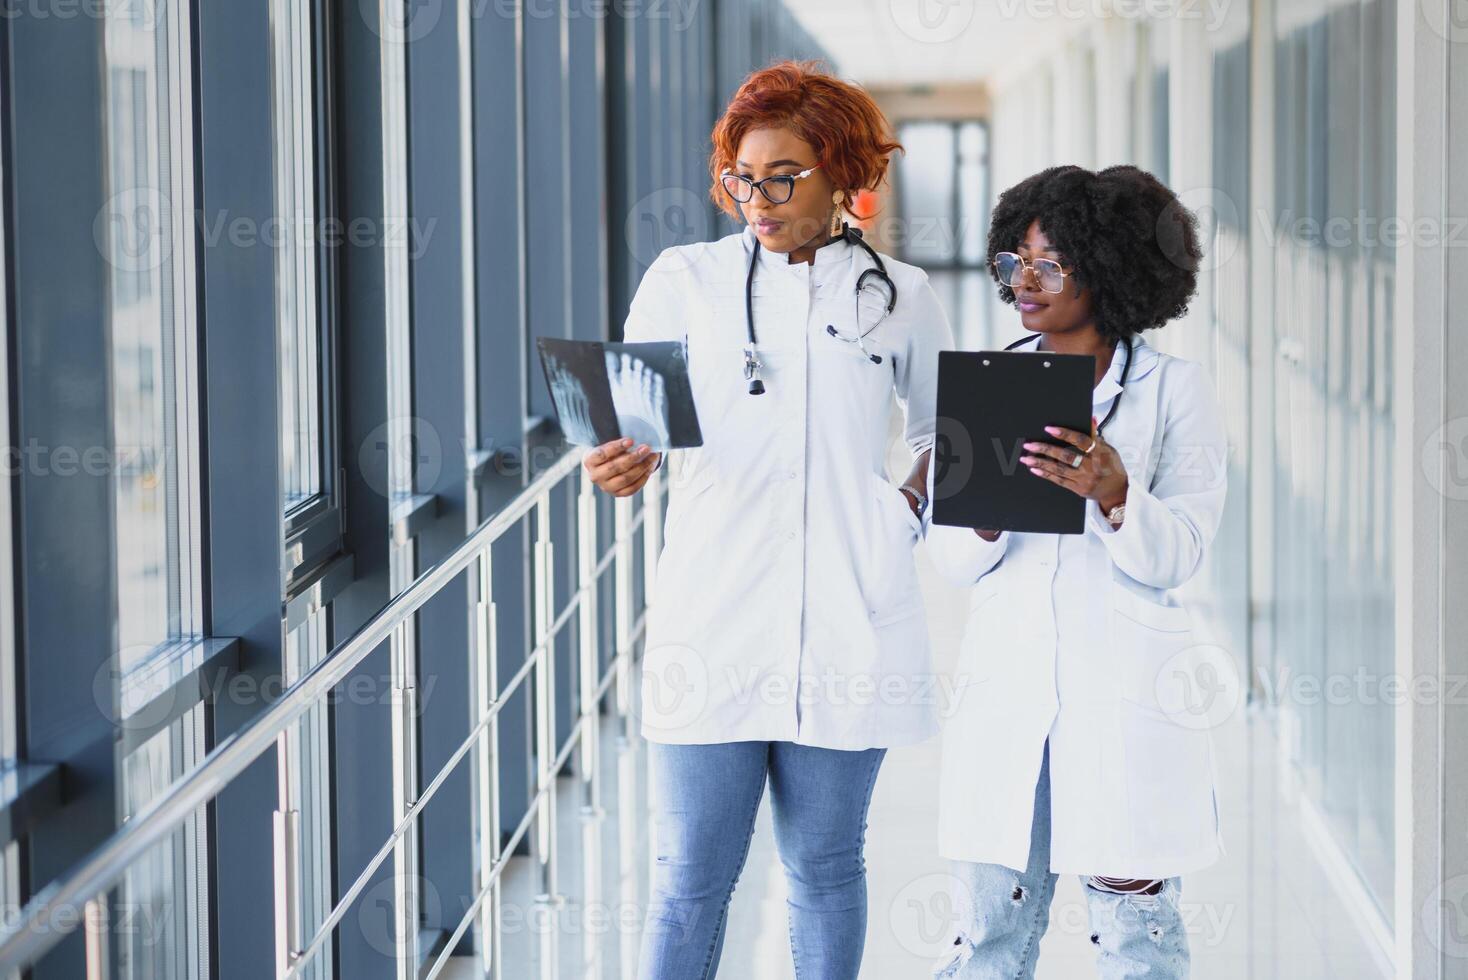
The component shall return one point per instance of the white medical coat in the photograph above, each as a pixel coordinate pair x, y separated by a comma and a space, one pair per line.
786, 604
1078, 640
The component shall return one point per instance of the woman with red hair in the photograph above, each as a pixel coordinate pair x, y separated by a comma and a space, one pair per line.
786, 643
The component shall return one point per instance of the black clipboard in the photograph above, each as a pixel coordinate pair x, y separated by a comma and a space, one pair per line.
990, 403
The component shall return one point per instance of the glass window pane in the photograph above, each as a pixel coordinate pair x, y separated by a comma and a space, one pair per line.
973, 192
150, 255
162, 933
297, 266
925, 189
309, 746
8, 693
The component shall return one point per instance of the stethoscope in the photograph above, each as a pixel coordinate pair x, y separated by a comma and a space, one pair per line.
1126, 367
877, 274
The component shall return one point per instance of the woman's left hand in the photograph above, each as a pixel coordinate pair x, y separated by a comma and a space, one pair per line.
1099, 475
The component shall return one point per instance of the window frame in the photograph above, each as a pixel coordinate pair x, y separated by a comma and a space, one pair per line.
183, 408
312, 531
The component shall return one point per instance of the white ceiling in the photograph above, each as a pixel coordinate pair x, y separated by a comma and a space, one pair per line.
934, 42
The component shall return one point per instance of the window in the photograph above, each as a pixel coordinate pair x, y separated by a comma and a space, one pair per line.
309, 791
152, 311
9, 696
1334, 284
149, 239
305, 282
296, 261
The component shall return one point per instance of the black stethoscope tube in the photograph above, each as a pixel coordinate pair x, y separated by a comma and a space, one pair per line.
852, 237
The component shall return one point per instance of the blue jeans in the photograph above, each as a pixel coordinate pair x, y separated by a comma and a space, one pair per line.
1003, 914
705, 798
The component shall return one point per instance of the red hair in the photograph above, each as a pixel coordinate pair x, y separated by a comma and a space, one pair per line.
851, 137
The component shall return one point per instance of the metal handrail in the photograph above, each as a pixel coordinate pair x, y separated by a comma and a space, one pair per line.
51, 914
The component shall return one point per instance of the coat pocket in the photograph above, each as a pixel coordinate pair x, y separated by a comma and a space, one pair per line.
1153, 648
1171, 815
685, 492
891, 577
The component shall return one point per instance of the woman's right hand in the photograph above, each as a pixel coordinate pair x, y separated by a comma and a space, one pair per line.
619, 469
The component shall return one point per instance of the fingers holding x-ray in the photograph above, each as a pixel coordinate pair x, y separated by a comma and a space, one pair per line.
639, 394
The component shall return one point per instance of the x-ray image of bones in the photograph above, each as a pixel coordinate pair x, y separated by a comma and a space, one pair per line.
639, 394
572, 404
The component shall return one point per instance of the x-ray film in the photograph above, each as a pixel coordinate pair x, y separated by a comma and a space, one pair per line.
604, 391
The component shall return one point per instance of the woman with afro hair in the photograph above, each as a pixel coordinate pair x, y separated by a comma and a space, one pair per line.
1079, 741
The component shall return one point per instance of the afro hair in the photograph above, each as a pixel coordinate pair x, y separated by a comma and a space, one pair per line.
1128, 238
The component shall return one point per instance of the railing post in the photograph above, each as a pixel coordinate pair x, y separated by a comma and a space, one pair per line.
484, 674
590, 667
405, 793
547, 900
622, 597
286, 827
94, 916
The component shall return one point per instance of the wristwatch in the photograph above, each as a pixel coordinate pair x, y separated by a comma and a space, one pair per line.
1117, 515
918, 498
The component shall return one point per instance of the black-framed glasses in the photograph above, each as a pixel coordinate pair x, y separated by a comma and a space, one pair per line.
777, 189
1048, 272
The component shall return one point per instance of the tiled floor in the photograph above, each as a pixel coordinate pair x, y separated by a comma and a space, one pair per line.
1267, 911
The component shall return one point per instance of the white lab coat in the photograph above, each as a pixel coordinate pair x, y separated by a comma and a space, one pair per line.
1077, 639
786, 604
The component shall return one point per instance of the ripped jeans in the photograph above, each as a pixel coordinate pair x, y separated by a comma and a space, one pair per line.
1003, 914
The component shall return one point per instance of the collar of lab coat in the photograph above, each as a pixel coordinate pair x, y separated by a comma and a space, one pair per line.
827, 256
1144, 359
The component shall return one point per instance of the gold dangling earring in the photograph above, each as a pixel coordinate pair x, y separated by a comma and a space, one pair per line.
836, 221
